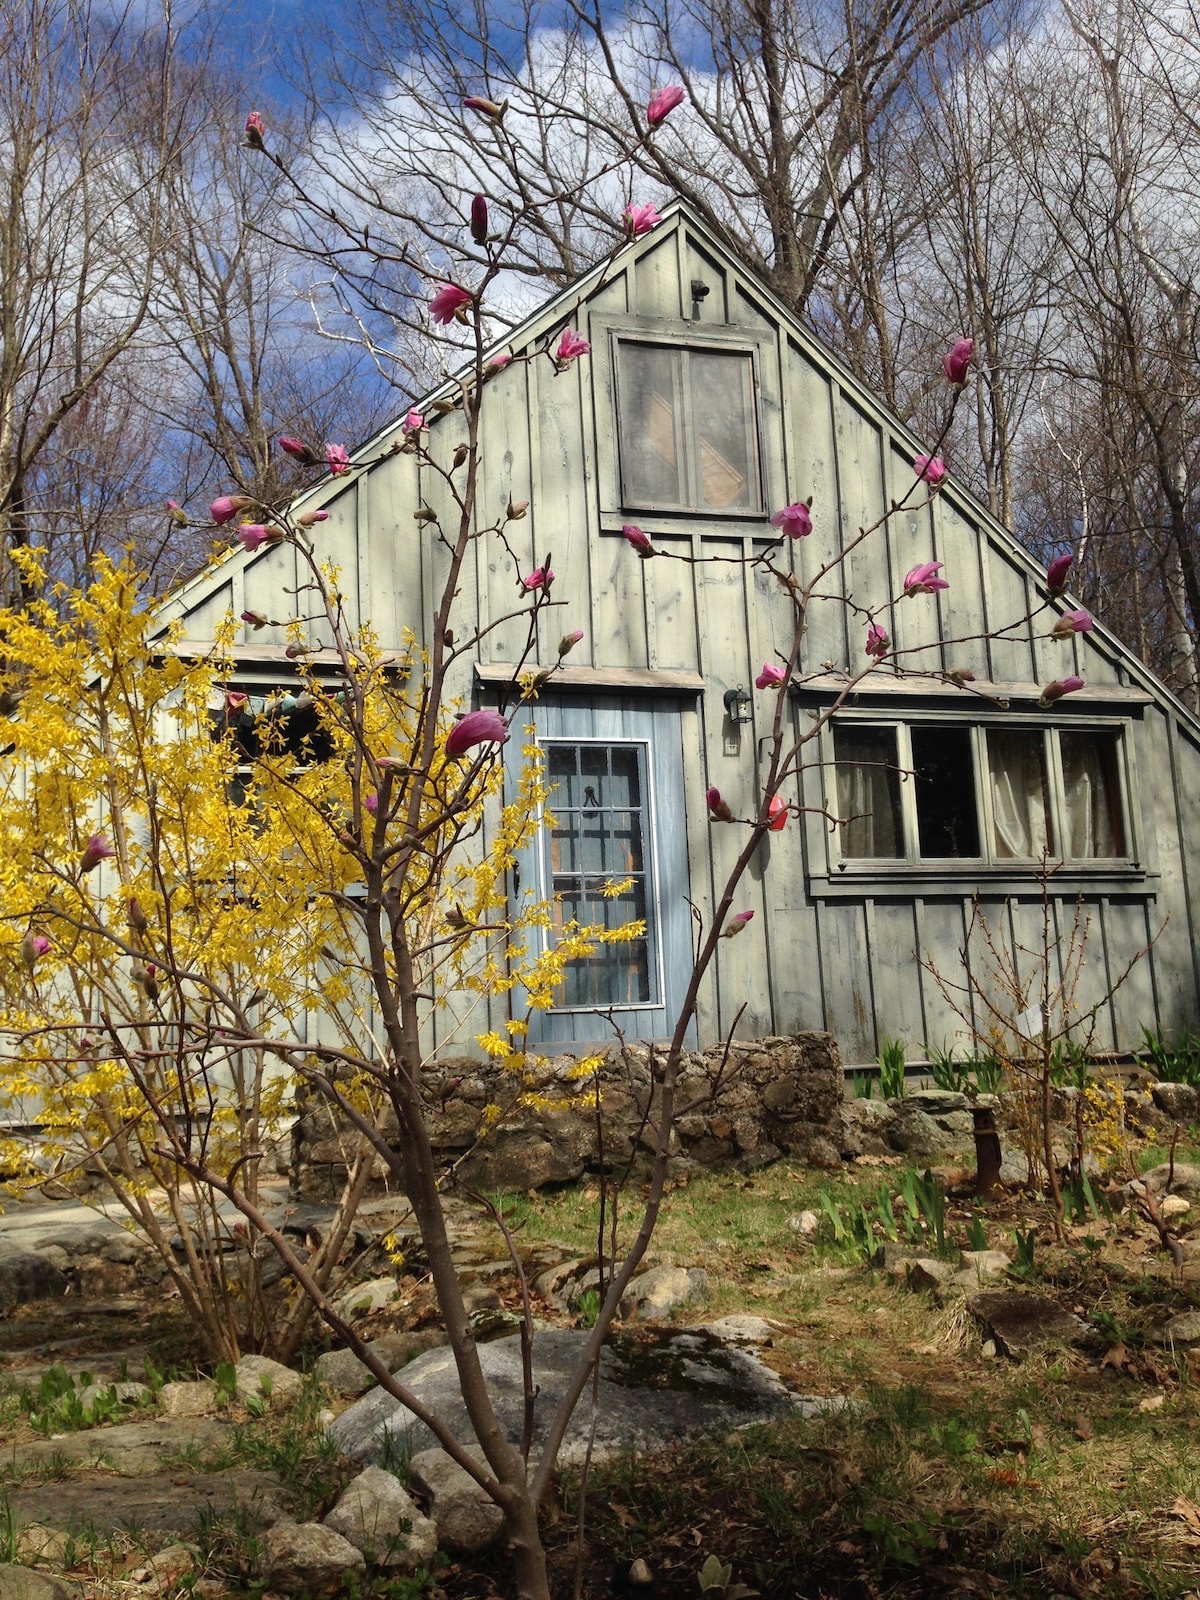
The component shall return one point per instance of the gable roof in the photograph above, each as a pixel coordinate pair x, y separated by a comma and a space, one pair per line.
679, 219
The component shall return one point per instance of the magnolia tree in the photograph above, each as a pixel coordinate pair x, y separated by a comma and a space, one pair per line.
179, 901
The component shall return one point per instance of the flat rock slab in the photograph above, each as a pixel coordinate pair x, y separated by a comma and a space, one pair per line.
1020, 1322
23, 1583
655, 1388
129, 1449
168, 1502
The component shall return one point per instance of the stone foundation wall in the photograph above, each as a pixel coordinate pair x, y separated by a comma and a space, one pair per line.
776, 1096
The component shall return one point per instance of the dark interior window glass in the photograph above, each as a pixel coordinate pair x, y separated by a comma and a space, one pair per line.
947, 816
868, 787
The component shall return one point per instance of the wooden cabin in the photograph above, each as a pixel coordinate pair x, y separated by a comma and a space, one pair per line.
703, 407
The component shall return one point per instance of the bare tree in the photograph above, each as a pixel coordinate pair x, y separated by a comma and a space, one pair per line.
79, 226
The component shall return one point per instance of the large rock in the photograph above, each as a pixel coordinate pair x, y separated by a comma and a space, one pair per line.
300, 1556
170, 1500
1179, 1101
655, 1293
654, 1388
1020, 1322
130, 1448
343, 1373
937, 1102
554, 1149
1184, 1178
915, 1132
25, 1275
268, 1380
1183, 1329
377, 1516
467, 1519
21, 1583
200, 1399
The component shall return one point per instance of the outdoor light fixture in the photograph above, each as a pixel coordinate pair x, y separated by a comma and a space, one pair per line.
737, 704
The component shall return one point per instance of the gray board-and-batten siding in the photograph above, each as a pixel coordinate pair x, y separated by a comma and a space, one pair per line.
849, 951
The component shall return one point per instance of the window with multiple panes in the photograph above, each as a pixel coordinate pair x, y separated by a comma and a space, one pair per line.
602, 836
940, 792
687, 428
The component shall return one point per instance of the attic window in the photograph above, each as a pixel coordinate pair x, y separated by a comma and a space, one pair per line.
687, 428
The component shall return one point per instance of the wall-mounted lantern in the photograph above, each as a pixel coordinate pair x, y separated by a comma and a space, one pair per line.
737, 705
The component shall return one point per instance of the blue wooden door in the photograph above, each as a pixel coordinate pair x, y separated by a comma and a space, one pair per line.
616, 810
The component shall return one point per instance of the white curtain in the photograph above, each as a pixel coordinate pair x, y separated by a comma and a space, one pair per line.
868, 792
1090, 829
1017, 766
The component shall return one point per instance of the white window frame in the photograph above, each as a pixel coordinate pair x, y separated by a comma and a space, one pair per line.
989, 862
650, 842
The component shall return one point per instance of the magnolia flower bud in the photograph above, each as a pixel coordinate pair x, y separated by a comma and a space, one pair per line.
517, 509
424, 514
568, 642
461, 454
479, 219
138, 920
306, 519
486, 108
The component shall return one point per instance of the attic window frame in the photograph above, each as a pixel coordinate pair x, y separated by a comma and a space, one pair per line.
758, 346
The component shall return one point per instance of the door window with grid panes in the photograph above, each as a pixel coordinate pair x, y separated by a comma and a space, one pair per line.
601, 841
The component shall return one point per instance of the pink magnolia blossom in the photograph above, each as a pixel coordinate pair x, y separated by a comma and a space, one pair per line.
1072, 622
96, 850
639, 220
878, 643
1056, 572
497, 364
956, 361
770, 677
539, 578
930, 469
372, 803
923, 579
717, 809
256, 619
568, 642
1061, 686
177, 514
639, 540
226, 506
254, 535
412, 422
337, 459
777, 810
33, 946
479, 219
477, 727
737, 924
306, 519
448, 302
255, 130
570, 346
485, 107
662, 103
794, 521
297, 447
